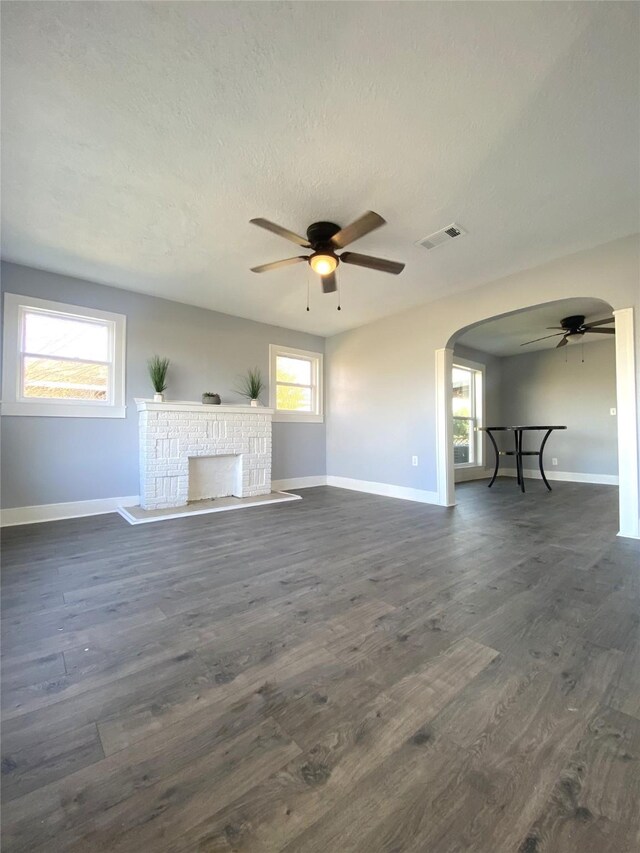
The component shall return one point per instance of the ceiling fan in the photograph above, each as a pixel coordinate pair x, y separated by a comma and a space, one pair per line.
324, 238
575, 327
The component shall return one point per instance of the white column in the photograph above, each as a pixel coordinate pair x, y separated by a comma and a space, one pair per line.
627, 411
444, 428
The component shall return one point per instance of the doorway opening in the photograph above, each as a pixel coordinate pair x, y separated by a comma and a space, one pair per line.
489, 374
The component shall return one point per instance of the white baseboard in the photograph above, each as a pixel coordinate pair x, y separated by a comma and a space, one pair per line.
79, 509
56, 512
299, 483
566, 476
627, 535
384, 489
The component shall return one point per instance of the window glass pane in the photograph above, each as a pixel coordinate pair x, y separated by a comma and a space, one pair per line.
293, 399
463, 444
293, 370
49, 334
51, 378
461, 392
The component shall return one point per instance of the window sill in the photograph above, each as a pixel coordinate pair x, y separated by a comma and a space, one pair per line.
61, 410
464, 466
297, 417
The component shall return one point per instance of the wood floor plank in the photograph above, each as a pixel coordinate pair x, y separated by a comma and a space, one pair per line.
489, 780
617, 622
32, 767
625, 690
325, 775
164, 812
127, 725
345, 672
61, 809
34, 671
148, 694
595, 804
30, 648
531, 744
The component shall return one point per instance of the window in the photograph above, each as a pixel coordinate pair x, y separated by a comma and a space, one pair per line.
62, 360
295, 384
467, 414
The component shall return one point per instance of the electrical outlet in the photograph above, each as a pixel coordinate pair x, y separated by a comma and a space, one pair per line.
612, 411
554, 461
414, 461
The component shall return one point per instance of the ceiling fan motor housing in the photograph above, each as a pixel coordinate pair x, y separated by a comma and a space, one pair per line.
573, 323
319, 234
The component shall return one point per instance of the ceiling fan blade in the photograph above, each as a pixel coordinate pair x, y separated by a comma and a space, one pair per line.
281, 232
372, 263
329, 283
369, 221
277, 264
563, 342
599, 323
559, 328
600, 331
535, 341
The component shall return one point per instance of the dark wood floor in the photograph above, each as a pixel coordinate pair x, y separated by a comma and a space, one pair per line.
343, 673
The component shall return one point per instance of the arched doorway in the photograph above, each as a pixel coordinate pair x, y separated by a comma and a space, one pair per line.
627, 422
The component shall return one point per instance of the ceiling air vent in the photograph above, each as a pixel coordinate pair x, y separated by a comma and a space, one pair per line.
442, 236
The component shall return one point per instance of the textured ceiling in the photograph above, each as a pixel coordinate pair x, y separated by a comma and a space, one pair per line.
505, 335
140, 138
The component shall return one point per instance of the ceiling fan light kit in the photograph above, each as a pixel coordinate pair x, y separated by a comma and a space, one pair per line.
324, 238
323, 263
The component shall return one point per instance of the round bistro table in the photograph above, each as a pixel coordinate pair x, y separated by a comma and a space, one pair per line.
518, 452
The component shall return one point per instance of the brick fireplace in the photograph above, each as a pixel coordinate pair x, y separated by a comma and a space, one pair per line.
191, 451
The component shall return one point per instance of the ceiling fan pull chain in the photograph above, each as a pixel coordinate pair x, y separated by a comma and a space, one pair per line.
308, 274
339, 306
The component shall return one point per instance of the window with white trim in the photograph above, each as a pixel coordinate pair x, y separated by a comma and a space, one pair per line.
295, 386
467, 399
62, 360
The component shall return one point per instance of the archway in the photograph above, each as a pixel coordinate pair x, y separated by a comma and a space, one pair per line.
627, 424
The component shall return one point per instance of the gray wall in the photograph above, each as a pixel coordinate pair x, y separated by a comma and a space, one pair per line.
381, 377
52, 460
492, 397
380, 406
557, 387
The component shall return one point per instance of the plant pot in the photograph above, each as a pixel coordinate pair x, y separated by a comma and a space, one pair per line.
158, 398
211, 399
255, 403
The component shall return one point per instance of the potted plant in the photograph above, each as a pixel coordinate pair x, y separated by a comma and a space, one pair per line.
158, 368
252, 385
211, 398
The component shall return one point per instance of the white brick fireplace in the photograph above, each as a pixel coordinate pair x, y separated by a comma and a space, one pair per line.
191, 451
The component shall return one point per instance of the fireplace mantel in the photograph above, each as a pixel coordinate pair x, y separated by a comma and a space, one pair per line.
172, 433
193, 406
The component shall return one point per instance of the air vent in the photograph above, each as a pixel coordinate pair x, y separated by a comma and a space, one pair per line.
442, 236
